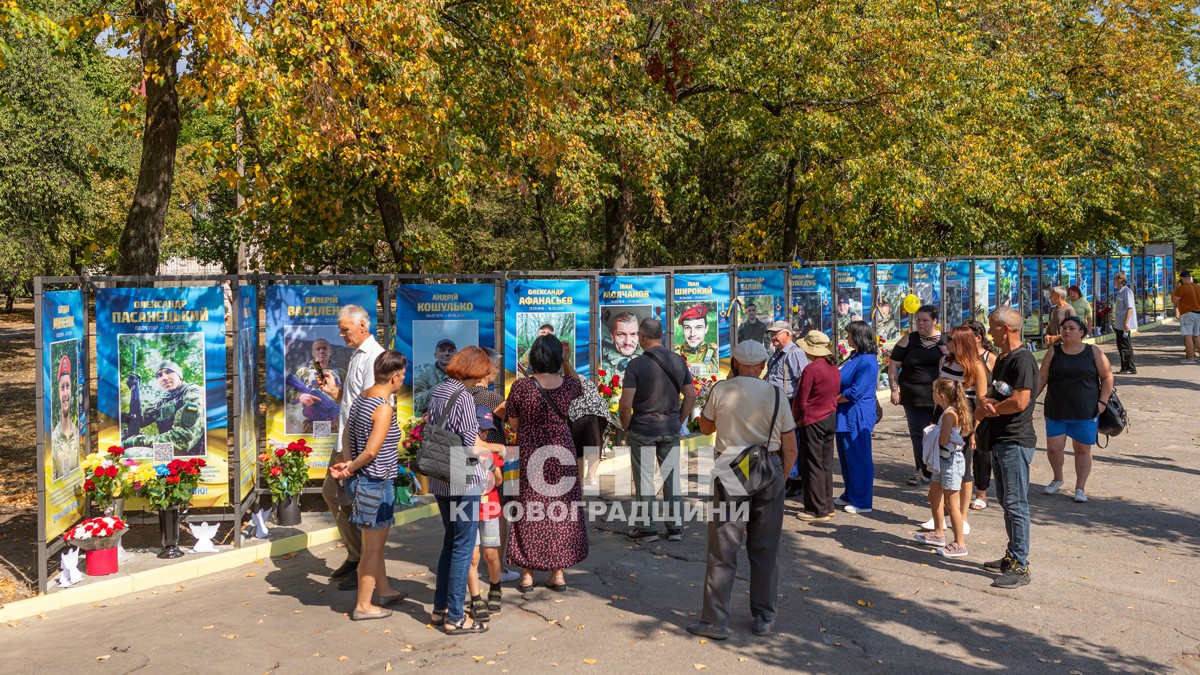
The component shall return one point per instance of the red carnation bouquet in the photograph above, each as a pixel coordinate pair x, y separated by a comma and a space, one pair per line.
285, 469
95, 534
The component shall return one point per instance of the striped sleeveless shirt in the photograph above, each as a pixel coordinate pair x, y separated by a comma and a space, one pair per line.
383, 467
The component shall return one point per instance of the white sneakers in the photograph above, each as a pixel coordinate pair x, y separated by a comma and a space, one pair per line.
1080, 496
1054, 487
850, 508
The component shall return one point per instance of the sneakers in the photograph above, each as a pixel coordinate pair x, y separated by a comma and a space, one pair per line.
1080, 496
1190, 361
838, 501
1013, 577
953, 550
918, 479
1000, 565
850, 508
674, 534
930, 539
1053, 487
642, 535
708, 630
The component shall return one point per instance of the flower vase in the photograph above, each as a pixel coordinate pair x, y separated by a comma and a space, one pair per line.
117, 508
287, 512
101, 562
168, 531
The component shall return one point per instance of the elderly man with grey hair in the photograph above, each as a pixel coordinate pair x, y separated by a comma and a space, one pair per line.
1059, 310
740, 411
354, 325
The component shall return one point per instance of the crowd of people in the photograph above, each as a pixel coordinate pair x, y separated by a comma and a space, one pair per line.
968, 399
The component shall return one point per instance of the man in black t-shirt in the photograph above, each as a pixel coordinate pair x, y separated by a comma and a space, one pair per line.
651, 415
1008, 411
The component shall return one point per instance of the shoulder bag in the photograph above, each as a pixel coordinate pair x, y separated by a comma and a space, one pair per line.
670, 376
438, 444
550, 404
1113, 419
752, 467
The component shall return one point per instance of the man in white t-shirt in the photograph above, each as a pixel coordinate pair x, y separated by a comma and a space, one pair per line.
354, 325
740, 412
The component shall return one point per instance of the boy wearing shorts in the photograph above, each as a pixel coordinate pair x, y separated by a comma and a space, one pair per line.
487, 539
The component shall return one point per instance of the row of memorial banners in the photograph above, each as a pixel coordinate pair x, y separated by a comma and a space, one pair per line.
161, 352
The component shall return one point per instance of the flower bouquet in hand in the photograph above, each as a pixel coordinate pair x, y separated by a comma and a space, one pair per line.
96, 534
286, 469
106, 476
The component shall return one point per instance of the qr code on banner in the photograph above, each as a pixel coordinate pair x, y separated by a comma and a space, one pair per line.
164, 452
322, 429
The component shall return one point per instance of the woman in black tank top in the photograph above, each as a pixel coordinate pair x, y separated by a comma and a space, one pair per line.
911, 372
1078, 381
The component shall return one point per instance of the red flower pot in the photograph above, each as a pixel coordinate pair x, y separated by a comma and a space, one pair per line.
101, 562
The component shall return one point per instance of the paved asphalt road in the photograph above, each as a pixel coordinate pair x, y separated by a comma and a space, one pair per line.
1114, 588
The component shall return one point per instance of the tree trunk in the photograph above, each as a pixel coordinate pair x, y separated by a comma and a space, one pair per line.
393, 223
791, 213
142, 237
618, 227
539, 203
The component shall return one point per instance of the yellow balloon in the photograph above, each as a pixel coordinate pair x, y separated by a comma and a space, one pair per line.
911, 303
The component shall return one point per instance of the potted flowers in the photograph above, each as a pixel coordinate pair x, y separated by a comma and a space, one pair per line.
106, 479
286, 471
98, 537
167, 488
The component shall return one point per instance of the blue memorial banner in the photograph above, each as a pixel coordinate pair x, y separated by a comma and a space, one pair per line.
1160, 283
247, 360
161, 392
854, 298
986, 293
812, 300
927, 283
1086, 278
701, 305
892, 283
434, 322
1141, 287
1068, 272
535, 307
624, 302
1171, 281
303, 342
64, 417
1008, 283
760, 298
957, 302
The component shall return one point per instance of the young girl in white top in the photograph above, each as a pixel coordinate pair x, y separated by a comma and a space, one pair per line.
950, 430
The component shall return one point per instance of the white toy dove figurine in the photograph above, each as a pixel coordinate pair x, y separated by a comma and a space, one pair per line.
70, 568
259, 518
204, 534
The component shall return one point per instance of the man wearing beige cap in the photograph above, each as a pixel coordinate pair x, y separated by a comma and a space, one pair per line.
740, 412
783, 371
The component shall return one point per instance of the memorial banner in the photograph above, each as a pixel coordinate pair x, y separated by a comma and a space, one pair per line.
701, 313
1050, 278
303, 342
624, 302
854, 299
247, 359
1008, 285
927, 284
434, 322
1141, 287
64, 418
162, 389
760, 295
536, 307
1171, 281
1159, 284
957, 302
986, 290
888, 316
812, 300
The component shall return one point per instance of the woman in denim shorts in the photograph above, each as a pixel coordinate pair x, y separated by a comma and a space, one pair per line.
373, 439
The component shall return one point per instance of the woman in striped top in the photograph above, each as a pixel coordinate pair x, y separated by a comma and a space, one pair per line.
459, 503
374, 439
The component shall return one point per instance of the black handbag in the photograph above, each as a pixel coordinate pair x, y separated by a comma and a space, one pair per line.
752, 467
438, 445
1114, 418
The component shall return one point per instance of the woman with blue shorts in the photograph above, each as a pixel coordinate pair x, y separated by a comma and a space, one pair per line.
1078, 381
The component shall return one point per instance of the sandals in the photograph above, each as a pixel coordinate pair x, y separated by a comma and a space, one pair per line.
524, 588
437, 618
978, 505
493, 599
459, 627
479, 610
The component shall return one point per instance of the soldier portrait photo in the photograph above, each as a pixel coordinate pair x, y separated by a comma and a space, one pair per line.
309, 351
532, 325
807, 312
162, 395
65, 443
885, 316
619, 337
696, 338
757, 311
849, 308
435, 342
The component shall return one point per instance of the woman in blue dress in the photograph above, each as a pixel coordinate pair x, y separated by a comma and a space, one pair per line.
856, 418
